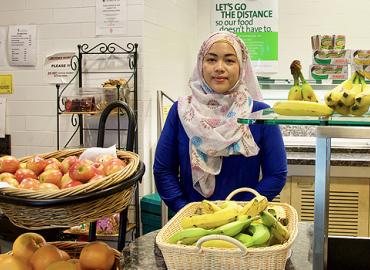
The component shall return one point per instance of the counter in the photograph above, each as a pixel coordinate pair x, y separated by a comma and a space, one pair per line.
144, 254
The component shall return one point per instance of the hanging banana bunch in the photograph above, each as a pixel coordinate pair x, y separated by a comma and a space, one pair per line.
351, 97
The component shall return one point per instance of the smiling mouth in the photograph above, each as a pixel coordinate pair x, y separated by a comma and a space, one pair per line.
219, 79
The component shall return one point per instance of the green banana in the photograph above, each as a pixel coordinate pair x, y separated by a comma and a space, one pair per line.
243, 237
210, 221
182, 235
254, 206
233, 228
260, 235
279, 231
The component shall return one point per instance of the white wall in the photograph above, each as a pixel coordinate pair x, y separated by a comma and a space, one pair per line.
300, 19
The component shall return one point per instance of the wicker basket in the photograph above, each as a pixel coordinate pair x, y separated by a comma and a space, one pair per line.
190, 257
36, 210
74, 249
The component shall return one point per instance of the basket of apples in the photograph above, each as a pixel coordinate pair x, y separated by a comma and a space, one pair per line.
57, 189
30, 251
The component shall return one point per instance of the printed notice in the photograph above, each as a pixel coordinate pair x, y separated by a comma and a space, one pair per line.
3, 35
22, 45
57, 68
6, 84
111, 17
256, 23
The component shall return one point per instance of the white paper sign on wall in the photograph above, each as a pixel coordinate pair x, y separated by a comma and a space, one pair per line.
57, 68
22, 45
111, 17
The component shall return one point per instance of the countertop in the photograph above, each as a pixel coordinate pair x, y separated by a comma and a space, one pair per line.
144, 254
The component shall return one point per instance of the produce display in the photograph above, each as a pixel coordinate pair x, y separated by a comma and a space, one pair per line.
52, 174
30, 251
254, 224
302, 99
350, 97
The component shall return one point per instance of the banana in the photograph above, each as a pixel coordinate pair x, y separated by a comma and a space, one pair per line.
188, 233
342, 109
233, 228
218, 243
260, 235
234, 204
279, 213
254, 206
348, 97
301, 108
243, 237
279, 231
210, 206
188, 241
308, 93
358, 110
210, 221
295, 93
363, 98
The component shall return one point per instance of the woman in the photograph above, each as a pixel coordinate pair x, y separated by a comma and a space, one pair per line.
202, 151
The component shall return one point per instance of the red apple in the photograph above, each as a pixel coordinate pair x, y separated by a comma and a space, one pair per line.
21, 174
23, 165
99, 168
65, 180
11, 181
8, 164
97, 177
53, 176
113, 165
52, 166
48, 187
37, 164
54, 163
82, 171
73, 183
29, 183
6, 175
67, 162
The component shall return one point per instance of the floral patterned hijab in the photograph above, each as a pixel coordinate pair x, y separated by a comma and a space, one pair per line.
210, 118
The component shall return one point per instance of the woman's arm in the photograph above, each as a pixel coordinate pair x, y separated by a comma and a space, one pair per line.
166, 163
273, 162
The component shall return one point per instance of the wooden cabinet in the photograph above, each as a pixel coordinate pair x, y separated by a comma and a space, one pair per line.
348, 203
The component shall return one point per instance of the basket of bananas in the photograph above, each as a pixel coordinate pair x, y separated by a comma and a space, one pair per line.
256, 234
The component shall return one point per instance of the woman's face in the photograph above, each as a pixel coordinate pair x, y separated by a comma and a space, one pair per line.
221, 67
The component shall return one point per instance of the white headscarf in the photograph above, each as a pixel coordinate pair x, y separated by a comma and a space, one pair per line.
210, 119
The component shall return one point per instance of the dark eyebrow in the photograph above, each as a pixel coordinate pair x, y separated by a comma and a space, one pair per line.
226, 55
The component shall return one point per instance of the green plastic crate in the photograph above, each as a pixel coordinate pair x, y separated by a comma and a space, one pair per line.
151, 212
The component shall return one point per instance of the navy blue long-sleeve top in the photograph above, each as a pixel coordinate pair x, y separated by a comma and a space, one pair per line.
172, 169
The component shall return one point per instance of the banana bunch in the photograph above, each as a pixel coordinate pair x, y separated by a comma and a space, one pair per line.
305, 91
350, 97
254, 224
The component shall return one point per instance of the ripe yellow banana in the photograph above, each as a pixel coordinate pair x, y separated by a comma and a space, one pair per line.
358, 110
279, 231
254, 206
279, 213
342, 109
308, 93
218, 243
301, 108
233, 204
363, 98
295, 93
210, 221
210, 206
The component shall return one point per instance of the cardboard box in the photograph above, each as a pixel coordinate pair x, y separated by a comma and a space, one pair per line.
332, 57
331, 72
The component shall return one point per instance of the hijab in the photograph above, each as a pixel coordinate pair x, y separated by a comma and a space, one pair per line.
210, 118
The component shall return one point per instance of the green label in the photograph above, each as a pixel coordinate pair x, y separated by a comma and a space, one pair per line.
261, 45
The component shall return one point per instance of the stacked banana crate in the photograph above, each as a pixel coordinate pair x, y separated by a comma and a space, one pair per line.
330, 58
